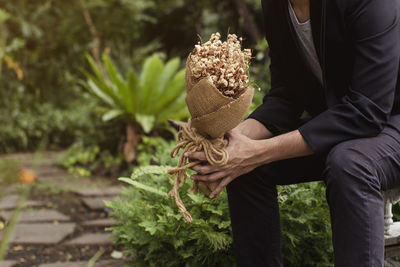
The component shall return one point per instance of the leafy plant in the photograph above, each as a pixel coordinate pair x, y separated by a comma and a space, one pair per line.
154, 150
82, 160
151, 228
142, 101
306, 229
150, 225
148, 99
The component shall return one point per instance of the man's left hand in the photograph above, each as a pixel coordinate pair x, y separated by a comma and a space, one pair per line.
242, 159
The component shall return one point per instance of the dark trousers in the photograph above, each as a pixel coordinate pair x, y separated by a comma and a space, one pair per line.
354, 172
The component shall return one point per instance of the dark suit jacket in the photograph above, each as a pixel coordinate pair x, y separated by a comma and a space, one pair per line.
358, 45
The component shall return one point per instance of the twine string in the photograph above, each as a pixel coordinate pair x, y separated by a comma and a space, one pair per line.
191, 141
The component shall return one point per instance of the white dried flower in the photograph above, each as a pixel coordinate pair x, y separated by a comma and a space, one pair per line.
224, 62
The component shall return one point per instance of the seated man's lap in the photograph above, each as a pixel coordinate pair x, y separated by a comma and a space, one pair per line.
380, 154
375, 160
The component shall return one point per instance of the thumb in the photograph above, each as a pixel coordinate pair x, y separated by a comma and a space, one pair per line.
232, 133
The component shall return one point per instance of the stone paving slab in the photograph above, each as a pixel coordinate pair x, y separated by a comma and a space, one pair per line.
11, 201
65, 264
100, 222
42, 215
72, 183
43, 233
110, 263
104, 263
7, 263
92, 239
46, 158
44, 174
96, 203
96, 192
9, 190
391, 263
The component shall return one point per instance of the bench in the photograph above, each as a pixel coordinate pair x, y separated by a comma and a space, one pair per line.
392, 229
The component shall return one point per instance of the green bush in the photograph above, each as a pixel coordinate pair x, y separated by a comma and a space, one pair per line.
150, 226
82, 160
28, 123
306, 228
154, 150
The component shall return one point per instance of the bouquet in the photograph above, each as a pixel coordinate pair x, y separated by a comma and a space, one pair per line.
218, 99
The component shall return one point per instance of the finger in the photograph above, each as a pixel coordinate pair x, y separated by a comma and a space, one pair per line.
205, 169
221, 186
208, 178
196, 155
203, 187
232, 132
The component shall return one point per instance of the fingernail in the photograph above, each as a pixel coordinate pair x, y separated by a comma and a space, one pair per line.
211, 196
186, 154
192, 177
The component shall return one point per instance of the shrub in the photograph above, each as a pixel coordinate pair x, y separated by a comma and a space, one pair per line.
151, 228
305, 222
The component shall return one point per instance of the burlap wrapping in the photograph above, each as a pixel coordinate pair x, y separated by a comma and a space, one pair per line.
212, 115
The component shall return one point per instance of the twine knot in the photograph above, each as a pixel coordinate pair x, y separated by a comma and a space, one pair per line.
191, 141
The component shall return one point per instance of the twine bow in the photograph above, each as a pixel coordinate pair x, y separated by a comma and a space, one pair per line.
191, 141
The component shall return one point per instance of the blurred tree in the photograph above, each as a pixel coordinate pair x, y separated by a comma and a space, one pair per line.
43, 43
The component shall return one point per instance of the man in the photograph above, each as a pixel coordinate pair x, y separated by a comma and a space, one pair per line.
338, 60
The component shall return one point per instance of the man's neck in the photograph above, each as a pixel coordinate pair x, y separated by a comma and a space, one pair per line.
302, 9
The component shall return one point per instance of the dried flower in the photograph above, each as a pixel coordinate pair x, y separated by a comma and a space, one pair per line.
224, 62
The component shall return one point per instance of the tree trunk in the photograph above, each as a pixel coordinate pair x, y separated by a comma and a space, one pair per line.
132, 140
95, 50
249, 25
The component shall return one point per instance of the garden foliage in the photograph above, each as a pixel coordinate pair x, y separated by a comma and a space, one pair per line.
148, 99
151, 228
150, 224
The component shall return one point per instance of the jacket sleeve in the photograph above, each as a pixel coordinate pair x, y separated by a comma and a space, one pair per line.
364, 111
279, 111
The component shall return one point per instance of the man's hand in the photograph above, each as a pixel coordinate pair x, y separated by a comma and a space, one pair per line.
246, 154
242, 159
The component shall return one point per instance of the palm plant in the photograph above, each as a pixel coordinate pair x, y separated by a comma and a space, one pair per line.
143, 102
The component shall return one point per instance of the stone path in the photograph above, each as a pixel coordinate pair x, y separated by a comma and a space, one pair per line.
92, 239
50, 224
109, 263
11, 201
40, 215
42, 233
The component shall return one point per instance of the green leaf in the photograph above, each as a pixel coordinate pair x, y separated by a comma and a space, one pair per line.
112, 114
143, 187
100, 92
149, 226
174, 89
102, 87
133, 84
167, 74
149, 80
177, 110
146, 121
119, 86
151, 169
4, 16
95, 68
15, 45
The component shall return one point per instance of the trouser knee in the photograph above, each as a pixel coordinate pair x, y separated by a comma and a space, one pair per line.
348, 169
